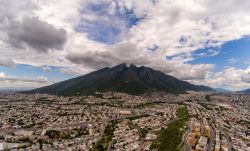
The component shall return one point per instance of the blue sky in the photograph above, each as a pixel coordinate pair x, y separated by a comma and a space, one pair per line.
237, 49
109, 28
40, 44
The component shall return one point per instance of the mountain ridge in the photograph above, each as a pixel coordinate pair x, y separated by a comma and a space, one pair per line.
121, 78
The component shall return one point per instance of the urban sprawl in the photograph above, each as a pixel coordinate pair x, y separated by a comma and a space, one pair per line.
194, 121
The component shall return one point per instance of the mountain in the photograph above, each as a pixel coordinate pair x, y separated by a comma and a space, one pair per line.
121, 78
245, 91
221, 90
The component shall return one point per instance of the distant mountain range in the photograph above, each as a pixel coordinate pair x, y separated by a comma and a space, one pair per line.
14, 89
245, 91
221, 90
121, 78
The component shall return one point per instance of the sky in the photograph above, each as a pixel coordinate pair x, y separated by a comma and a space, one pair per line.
205, 42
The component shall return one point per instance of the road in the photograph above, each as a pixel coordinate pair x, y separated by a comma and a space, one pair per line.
110, 145
227, 138
73, 124
211, 143
229, 143
186, 144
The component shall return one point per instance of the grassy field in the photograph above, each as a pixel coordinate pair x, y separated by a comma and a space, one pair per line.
170, 138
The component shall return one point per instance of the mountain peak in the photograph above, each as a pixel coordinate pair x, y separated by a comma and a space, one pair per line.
120, 67
125, 66
132, 66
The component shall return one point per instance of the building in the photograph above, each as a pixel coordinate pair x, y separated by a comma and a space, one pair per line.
202, 144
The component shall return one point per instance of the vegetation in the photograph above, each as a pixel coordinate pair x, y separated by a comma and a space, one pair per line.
70, 134
53, 134
169, 139
207, 97
12, 120
41, 142
103, 143
182, 112
81, 132
143, 132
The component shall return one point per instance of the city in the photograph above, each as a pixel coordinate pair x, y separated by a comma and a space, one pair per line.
118, 121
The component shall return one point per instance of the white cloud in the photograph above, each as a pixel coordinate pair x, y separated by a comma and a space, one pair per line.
10, 81
2, 74
74, 70
209, 53
232, 60
131, 54
230, 78
16, 9
202, 23
42, 79
13, 82
47, 68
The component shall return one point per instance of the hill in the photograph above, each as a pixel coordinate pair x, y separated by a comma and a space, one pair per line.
121, 78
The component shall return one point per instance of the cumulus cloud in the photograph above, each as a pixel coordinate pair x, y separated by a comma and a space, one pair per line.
122, 52
230, 78
126, 52
37, 34
9, 81
7, 62
16, 9
177, 28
